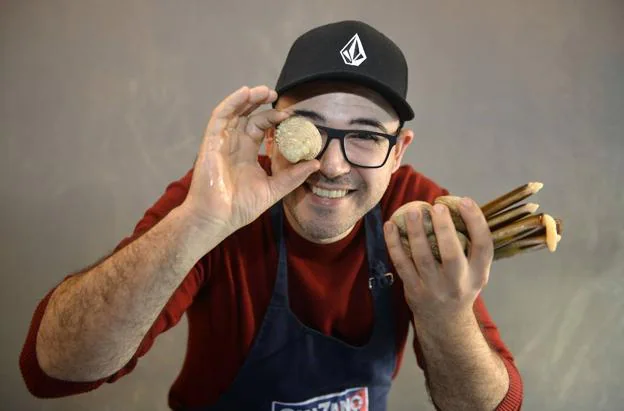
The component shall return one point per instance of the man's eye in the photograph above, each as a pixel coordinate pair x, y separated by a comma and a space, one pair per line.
367, 137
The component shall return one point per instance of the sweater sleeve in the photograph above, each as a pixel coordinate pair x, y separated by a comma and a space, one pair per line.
513, 398
44, 386
409, 185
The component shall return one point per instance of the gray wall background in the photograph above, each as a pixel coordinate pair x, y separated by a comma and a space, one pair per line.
103, 104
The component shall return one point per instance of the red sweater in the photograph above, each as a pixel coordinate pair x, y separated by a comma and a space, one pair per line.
227, 292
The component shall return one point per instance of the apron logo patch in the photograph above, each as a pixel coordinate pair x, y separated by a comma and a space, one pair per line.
354, 399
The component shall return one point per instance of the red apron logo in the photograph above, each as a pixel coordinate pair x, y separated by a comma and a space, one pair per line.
354, 399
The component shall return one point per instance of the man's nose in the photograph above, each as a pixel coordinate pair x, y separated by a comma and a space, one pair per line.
333, 162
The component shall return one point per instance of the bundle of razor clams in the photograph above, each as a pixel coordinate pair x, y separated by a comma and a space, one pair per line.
516, 228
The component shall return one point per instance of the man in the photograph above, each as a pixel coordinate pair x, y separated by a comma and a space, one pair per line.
286, 271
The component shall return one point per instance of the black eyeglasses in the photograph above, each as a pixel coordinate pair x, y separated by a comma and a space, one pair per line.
361, 148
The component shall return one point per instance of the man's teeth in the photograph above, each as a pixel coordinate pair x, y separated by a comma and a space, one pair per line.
329, 193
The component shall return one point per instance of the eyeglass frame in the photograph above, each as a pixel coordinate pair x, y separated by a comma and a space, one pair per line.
340, 134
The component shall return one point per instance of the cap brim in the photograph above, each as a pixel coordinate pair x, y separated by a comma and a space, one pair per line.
400, 105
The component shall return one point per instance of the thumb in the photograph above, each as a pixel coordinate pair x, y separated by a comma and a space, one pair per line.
285, 181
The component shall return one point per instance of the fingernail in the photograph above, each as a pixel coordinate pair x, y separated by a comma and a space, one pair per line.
439, 209
413, 215
389, 228
466, 203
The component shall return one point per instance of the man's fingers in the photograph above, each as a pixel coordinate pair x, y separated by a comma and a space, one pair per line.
257, 124
451, 252
226, 110
262, 95
481, 245
400, 259
426, 265
250, 108
258, 97
236, 104
285, 181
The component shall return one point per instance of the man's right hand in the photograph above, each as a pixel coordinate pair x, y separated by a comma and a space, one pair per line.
229, 188
94, 323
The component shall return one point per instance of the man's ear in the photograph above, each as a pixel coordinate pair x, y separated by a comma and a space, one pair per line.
404, 140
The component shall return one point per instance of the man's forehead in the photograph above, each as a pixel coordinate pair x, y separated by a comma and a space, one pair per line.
339, 101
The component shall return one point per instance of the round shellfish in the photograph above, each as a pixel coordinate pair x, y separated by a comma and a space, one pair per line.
298, 139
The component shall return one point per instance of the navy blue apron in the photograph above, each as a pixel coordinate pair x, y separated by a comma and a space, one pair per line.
292, 367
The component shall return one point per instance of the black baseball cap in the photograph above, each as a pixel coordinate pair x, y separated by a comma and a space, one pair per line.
350, 51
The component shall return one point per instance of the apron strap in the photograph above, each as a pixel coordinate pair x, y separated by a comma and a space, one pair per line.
380, 277
280, 290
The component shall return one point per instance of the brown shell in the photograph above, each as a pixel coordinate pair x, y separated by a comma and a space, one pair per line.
399, 218
433, 242
452, 202
298, 139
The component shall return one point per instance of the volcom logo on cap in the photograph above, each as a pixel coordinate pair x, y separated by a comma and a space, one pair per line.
353, 53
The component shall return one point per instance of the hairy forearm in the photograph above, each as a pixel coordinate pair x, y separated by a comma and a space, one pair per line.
463, 371
95, 321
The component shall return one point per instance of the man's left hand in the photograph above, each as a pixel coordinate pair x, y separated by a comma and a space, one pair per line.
442, 292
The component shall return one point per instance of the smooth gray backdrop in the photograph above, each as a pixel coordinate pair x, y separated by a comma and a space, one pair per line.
103, 103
